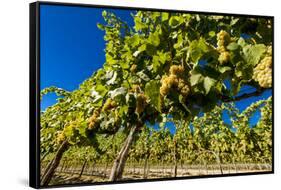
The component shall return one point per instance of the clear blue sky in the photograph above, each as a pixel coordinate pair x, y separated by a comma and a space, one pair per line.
72, 48
71, 45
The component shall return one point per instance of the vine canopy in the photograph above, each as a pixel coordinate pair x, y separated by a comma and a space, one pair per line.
175, 64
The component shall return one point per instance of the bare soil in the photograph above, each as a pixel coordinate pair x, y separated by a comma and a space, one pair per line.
102, 175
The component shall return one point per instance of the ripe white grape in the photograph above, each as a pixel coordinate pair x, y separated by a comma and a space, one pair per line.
94, 119
181, 84
133, 68
263, 72
269, 50
175, 81
223, 39
109, 104
176, 69
164, 90
185, 90
141, 103
224, 57
60, 138
223, 35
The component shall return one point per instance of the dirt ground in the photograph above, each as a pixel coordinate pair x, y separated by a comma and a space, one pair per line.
102, 175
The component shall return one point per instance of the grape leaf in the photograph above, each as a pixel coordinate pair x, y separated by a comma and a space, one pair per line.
195, 79
208, 84
153, 93
117, 91
253, 53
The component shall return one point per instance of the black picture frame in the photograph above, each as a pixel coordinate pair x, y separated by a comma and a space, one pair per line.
34, 93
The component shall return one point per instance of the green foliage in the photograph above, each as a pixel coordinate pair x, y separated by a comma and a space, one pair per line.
137, 59
58, 91
253, 53
153, 93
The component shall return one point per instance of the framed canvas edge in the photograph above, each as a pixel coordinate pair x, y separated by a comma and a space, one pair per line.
34, 94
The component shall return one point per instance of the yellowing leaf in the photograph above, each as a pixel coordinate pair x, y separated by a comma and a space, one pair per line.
208, 84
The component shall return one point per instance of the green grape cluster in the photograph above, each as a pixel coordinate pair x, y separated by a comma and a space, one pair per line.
68, 127
109, 104
168, 82
133, 68
116, 116
93, 121
135, 89
60, 138
183, 87
223, 39
141, 103
174, 81
263, 72
176, 69
269, 51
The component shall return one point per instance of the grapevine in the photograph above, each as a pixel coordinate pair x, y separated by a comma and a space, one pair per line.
168, 66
